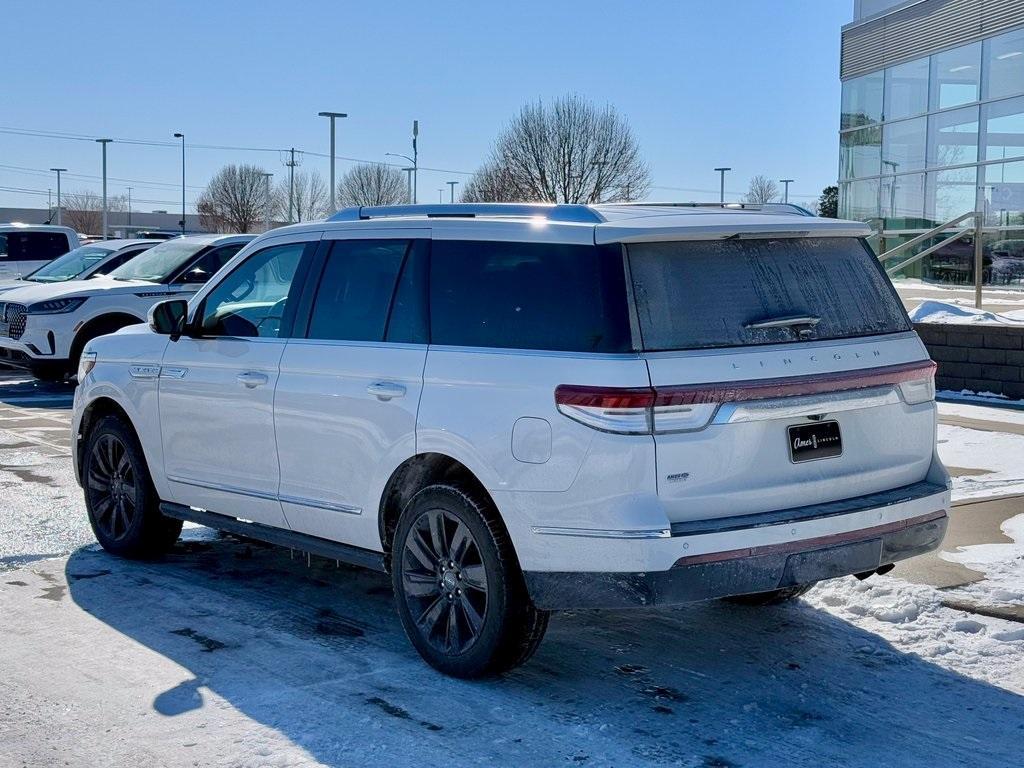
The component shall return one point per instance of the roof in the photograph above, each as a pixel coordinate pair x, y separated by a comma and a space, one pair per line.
18, 225
118, 244
604, 223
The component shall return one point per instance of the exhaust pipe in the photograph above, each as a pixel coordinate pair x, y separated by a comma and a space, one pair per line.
881, 571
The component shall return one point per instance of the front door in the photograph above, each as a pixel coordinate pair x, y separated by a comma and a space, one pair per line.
346, 402
217, 389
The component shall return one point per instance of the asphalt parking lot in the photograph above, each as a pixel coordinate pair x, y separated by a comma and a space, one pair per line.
233, 653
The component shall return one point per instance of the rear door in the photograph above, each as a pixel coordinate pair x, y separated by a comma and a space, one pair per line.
348, 393
790, 365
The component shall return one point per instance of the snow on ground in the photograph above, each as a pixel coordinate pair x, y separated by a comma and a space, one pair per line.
998, 457
230, 653
1002, 564
982, 413
1014, 295
932, 311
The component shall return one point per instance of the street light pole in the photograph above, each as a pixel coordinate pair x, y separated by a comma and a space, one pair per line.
451, 186
440, 196
721, 185
785, 197
59, 171
129, 206
266, 199
182, 137
332, 115
415, 161
103, 143
408, 184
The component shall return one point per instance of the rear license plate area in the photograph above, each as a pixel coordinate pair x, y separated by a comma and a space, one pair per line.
819, 440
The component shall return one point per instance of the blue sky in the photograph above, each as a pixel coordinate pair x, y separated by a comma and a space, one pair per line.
751, 85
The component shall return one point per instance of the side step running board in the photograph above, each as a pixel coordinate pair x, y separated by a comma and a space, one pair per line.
364, 558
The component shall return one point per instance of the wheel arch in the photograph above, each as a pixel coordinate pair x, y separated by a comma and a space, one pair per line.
416, 473
111, 320
96, 410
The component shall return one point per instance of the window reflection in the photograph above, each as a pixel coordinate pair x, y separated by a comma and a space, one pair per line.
955, 76
906, 90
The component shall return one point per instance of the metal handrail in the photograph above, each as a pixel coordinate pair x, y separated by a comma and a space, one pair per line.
978, 217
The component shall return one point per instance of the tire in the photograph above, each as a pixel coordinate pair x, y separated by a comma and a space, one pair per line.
467, 613
774, 597
121, 502
50, 371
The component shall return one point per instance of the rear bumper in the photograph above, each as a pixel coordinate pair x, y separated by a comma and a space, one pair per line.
753, 566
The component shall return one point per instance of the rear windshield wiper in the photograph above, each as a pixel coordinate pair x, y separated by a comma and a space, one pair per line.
790, 321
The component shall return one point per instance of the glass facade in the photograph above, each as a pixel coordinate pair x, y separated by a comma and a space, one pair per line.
925, 141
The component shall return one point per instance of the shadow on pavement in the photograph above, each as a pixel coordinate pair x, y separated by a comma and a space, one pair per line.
318, 654
20, 389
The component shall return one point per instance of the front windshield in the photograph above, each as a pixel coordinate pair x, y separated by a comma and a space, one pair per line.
159, 262
70, 265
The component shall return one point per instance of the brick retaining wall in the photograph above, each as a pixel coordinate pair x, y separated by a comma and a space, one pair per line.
981, 358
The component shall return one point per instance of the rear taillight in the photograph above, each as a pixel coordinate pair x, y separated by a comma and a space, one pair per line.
657, 410
633, 411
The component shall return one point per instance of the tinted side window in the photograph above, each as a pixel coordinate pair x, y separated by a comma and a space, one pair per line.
356, 289
207, 265
33, 246
528, 296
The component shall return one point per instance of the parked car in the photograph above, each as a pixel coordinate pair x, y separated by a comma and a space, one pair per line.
1007, 261
26, 247
44, 327
515, 409
82, 263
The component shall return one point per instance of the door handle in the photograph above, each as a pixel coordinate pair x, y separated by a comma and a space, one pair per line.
252, 379
386, 390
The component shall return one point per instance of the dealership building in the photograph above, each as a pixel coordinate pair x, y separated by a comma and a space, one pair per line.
932, 121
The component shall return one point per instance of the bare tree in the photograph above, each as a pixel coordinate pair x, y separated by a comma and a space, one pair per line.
373, 184
83, 211
234, 200
570, 151
491, 184
310, 200
761, 190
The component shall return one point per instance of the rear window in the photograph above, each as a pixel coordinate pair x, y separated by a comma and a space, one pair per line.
528, 296
727, 293
33, 246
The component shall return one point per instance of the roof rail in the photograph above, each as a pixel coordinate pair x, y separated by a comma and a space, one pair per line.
580, 214
790, 208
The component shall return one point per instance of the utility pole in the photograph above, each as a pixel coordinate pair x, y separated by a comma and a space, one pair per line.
59, 171
408, 184
182, 137
103, 143
440, 196
451, 186
721, 186
785, 195
267, 205
291, 163
332, 115
129, 206
415, 161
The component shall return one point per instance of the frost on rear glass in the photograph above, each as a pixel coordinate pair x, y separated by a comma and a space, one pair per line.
693, 295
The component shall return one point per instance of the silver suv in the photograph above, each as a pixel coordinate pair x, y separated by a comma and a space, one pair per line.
515, 409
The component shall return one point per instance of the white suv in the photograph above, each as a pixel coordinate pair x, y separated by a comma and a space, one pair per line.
26, 247
517, 408
44, 326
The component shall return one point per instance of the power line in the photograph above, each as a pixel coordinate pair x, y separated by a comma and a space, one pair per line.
139, 182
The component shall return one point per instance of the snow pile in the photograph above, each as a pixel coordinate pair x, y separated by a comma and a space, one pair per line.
932, 311
1002, 564
913, 619
994, 459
